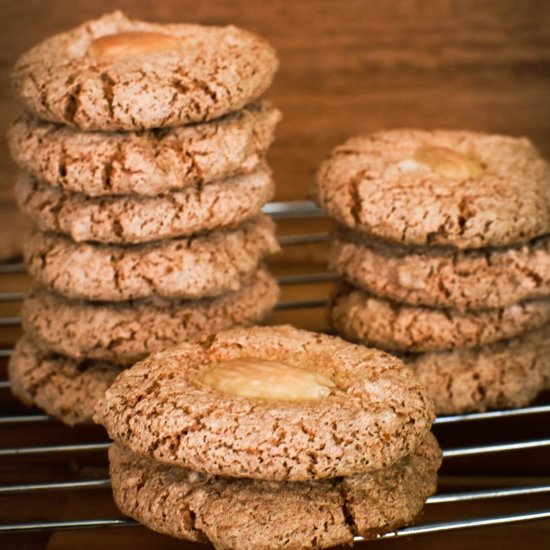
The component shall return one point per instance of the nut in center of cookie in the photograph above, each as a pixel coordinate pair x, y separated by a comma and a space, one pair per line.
122, 45
256, 378
448, 163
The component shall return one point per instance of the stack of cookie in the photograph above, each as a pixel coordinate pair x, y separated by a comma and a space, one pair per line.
444, 248
143, 148
270, 438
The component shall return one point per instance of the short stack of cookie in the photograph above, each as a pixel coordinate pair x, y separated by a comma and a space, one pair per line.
143, 148
270, 437
444, 251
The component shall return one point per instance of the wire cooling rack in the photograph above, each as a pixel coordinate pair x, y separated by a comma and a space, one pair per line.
310, 296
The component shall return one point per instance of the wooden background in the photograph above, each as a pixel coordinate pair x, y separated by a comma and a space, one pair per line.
351, 66
347, 67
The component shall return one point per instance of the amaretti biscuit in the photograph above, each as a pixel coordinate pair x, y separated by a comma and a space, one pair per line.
254, 514
125, 332
225, 204
273, 403
501, 375
117, 73
457, 188
62, 387
147, 163
363, 317
195, 267
444, 277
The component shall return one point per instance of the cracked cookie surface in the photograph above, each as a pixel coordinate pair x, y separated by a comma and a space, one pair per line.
125, 332
376, 412
156, 76
415, 187
137, 219
444, 278
252, 514
362, 317
62, 387
143, 163
501, 375
202, 266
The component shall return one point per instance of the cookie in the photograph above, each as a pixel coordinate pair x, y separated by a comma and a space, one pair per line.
143, 163
273, 403
136, 219
116, 73
362, 317
195, 267
415, 187
252, 514
501, 375
445, 278
125, 332
62, 387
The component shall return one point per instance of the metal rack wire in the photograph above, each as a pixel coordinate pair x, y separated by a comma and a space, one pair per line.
284, 210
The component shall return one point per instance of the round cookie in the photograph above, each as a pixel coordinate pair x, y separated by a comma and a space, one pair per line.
116, 73
62, 387
362, 317
444, 278
501, 375
415, 187
125, 332
143, 163
273, 403
252, 514
196, 267
136, 219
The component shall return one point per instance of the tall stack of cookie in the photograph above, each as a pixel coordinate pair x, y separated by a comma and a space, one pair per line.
444, 248
143, 148
270, 437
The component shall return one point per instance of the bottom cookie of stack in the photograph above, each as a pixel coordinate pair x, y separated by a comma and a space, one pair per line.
63, 387
253, 514
501, 375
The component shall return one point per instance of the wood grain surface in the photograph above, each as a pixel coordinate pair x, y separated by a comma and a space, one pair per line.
347, 67
352, 66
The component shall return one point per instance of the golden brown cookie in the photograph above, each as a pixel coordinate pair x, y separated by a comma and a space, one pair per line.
444, 277
148, 163
130, 219
457, 188
116, 73
62, 387
502, 375
272, 403
195, 267
251, 514
362, 317
125, 332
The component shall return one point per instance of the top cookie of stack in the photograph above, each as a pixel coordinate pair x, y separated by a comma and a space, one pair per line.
116, 73
445, 237
143, 148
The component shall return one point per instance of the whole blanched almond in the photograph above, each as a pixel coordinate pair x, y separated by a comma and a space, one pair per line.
256, 378
448, 163
131, 44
